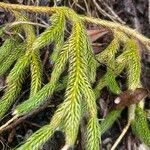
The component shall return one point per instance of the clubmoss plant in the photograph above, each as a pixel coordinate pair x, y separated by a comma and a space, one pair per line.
75, 54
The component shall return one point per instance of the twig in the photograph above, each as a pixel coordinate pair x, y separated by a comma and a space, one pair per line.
3, 145
42, 21
121, 136
7, 123
79, 6
87, 8
26, 22
11, 124
115, 16
14, 124
102, 11
11, 135
32, 123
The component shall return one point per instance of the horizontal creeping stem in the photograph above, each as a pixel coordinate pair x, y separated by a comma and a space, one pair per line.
118, 26
28, 8
105, 23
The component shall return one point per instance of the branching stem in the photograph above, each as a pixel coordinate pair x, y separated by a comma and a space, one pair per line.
105, 23
118, 26
8, 122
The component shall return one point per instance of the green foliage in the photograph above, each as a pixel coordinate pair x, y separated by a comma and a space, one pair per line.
93, 134
134, 65
8, 61
42, 95
111, 82
109, 53
109, 120
36, 73
74, 55
53, 33
91, 62
34, 142
140, 126
7, 47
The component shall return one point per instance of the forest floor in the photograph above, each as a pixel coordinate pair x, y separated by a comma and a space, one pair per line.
134, 13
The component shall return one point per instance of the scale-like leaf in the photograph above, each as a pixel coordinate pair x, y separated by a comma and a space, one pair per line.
140, 126
14, 81
93, 134
8, 46
17, 52
52, 33
47, 91
36, 73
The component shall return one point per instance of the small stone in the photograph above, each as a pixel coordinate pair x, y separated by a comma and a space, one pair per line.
117, 100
